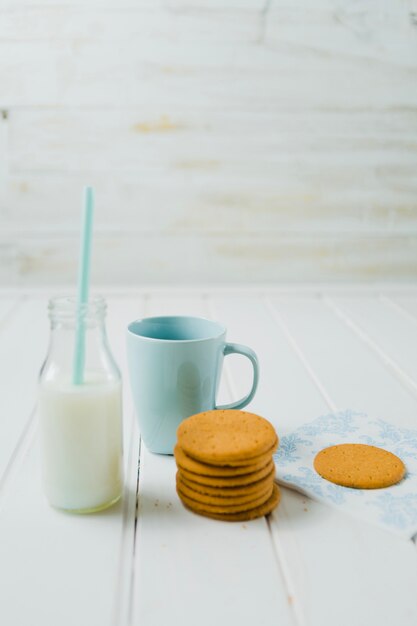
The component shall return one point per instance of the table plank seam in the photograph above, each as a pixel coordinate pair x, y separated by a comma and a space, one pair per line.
398, 308
283, 571
210, 308
282, 564
389, 363
19, 453
299, 353
135, 528
7, 315
124, 585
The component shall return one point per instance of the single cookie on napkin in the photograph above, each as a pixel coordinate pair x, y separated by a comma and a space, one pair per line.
359, 466
299, 464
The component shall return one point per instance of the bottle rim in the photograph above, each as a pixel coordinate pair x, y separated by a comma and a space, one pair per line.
64, 307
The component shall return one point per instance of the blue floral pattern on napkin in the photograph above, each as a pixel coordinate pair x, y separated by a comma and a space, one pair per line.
394, 508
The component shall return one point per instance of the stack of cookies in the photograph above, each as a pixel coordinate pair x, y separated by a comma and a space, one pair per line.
225, 465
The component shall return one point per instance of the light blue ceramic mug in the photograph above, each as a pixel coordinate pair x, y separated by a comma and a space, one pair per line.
175, 364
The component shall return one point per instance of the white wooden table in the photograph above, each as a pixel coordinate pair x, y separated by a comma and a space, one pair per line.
150, 562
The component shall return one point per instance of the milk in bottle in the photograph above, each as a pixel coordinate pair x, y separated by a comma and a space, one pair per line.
80, 425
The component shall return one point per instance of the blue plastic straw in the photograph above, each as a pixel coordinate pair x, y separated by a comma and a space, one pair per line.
83, 286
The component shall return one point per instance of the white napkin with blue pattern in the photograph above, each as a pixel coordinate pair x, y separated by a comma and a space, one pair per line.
394, 508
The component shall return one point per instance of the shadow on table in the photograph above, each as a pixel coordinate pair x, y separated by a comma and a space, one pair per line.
296, 509
113, 511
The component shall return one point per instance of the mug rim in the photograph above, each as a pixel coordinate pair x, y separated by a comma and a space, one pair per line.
222, 328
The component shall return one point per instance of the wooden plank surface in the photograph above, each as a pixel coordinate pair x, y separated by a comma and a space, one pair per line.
307, 566
155, 48
215, 120
163, 257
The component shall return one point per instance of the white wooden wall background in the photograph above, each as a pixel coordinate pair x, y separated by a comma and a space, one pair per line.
228, 140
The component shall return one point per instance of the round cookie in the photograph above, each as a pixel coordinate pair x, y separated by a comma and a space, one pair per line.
224, 499
231, 481
192, 465
222, 437
244, 516
359, 466
227, 490
248, 462
197, 505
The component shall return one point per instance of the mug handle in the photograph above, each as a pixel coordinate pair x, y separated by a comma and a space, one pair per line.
237, 348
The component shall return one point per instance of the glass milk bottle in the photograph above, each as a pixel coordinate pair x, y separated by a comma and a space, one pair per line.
80, 425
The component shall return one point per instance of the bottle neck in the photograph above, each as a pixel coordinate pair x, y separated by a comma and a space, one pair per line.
66, 319
65, 312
